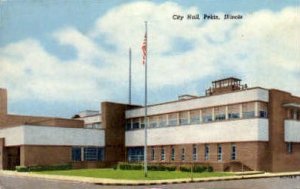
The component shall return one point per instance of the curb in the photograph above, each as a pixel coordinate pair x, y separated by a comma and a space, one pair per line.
115, 182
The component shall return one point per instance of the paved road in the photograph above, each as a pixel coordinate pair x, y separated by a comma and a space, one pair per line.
12, 182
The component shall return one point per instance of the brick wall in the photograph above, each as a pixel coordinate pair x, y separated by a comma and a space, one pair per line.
44, 155
279, 159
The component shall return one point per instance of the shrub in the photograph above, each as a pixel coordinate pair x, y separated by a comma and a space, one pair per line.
199, 169
185, 168
210, 169
22, 169
170, 167
130, 166
50, 167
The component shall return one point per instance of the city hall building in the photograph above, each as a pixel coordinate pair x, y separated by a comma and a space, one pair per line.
231, 128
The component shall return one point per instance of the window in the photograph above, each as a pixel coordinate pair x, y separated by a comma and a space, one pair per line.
152, 154
76, 154
163, 155
234, 111
173, 154
194, 152
233, 152
207, 115
183, 118
290, 147
93, 154
135, 154
162, 120
248, 110
182, 154
153, 121
262, 110
128, 124
195, 116
220, 152
136, 123
220, 113
206, 152
172, 119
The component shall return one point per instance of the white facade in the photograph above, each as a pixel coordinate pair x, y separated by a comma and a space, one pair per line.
45, 135
255, 94
291, 131
226, 131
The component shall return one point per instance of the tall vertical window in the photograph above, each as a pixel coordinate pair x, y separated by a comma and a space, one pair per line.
206, 152
220, 152
152, 154
233, 152
136, 123
234, 111
183, 118
207, 115
262, 110
172, 119
195, 157
195, 117
172, 153
220, 113
76, 154
248, 110
290, 147
163, 154
182, 154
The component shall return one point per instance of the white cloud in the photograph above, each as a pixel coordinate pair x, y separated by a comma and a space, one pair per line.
263, 48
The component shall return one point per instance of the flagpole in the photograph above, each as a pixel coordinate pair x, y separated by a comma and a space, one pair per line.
145, 118
129, 90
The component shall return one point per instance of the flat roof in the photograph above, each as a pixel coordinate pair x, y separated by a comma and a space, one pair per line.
228, 78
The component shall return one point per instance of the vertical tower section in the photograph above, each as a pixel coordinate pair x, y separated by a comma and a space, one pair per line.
3, 101
113, 121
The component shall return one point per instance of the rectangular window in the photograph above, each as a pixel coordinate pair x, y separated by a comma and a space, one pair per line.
136, 123
220, 152
163, 154
172, 119
207, 115
76, 154
182, 154
195, 157
234, 111
135, 154
233, 152
248, 110
128, 124
162, 120
195, 116
153, 121
206, 152
290, 147
173, 154
183, 118
220, 113
93, 154
262, 110
152, 154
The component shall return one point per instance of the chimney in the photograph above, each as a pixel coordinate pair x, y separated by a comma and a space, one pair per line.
3, 101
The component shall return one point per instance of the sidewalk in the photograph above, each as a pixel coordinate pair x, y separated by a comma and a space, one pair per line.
104, 181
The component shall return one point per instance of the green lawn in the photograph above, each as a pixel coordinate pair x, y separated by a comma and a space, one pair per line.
133, 174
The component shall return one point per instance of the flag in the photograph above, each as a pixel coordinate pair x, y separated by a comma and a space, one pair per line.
144, 48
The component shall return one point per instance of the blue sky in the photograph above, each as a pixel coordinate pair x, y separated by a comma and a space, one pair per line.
61, 57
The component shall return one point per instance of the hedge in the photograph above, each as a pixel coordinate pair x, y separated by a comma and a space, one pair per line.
43, 167
196, 168
151, 167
